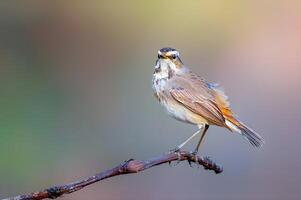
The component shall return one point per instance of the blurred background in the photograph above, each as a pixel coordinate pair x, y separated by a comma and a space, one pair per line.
76, 97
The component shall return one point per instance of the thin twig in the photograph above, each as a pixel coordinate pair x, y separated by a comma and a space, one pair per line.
128, 167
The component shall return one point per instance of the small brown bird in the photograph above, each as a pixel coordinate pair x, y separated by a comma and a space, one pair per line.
189, 98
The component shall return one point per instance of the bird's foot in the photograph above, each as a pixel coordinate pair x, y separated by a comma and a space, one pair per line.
176, 151
194, 158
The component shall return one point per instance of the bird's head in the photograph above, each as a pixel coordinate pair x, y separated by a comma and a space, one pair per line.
168, 62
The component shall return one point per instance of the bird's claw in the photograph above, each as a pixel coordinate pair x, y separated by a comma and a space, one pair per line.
189, 162
194, 158
175, 150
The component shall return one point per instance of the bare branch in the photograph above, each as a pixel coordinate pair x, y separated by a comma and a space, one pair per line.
128, 167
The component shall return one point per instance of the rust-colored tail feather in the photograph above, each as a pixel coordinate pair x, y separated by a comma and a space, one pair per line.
234, 124
254, 138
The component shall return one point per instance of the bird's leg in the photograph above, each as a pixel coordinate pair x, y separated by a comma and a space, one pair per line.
178, 148
200, 141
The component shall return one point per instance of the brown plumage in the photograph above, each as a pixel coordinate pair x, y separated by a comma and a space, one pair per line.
189, 98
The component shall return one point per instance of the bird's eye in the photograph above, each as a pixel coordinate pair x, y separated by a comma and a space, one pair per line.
174, 56
160, 56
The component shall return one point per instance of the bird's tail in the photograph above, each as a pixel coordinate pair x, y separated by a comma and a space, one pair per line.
234, 124
254, 138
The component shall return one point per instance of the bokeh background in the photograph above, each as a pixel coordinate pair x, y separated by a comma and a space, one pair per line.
76, 97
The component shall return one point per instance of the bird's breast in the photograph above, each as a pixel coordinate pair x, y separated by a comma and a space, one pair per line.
173, 107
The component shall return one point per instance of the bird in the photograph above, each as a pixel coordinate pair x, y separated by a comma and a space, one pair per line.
189, 98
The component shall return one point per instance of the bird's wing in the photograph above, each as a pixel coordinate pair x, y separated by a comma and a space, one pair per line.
199, 103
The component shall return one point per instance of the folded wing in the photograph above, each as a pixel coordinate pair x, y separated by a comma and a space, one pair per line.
199, 104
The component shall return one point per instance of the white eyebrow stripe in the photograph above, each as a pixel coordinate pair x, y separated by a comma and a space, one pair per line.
172, 53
